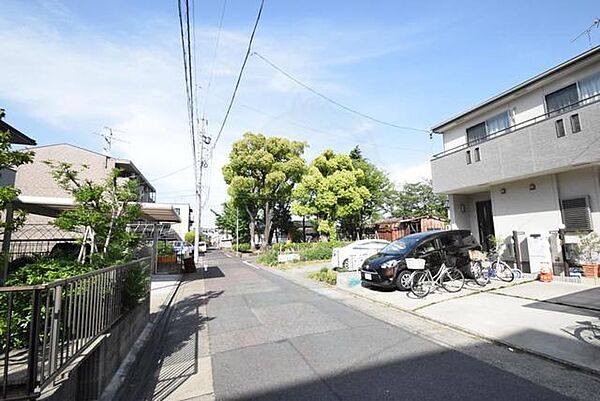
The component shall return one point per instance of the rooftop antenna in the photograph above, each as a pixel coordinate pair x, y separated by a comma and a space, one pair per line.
588, 32
109, 137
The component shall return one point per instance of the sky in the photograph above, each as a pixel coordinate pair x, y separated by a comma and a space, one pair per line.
70, 68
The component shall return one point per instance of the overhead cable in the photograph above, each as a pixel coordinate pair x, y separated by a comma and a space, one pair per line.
335, 102
237, 84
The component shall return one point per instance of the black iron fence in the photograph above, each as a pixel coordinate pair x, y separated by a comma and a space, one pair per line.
45, 328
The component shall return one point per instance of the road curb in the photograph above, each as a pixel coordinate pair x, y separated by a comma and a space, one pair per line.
548, 357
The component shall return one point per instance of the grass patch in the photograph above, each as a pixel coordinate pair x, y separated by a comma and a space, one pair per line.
325, 275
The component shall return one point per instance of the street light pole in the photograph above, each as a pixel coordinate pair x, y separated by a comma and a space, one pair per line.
237, 232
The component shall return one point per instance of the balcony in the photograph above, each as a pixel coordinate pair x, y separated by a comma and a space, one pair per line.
527, 149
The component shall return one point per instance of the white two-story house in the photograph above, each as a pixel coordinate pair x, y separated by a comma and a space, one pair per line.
528, 159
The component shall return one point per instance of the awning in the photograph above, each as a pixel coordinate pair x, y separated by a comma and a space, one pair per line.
52, 207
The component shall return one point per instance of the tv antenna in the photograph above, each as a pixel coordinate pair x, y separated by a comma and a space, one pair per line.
588, 32
109, 137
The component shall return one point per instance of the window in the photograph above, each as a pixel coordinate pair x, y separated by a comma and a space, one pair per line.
476, 155
476, 133
575, 124
589, 87
498, 123
560, 128
468, 157
560, 100
576, 214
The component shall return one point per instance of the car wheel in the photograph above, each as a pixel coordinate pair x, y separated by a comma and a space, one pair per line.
345, 264
403, 280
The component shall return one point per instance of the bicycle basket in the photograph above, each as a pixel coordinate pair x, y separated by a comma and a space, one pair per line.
415, 264
476, 255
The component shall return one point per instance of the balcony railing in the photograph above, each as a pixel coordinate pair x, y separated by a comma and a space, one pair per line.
45, 328
519, 126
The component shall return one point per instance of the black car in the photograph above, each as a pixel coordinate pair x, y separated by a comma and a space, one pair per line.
387, 269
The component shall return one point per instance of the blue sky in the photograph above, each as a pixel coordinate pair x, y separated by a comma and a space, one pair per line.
69, 68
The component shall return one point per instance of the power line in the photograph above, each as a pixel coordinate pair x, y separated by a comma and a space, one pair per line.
172, 173
214, 58
335, 102
320, 131
237, 84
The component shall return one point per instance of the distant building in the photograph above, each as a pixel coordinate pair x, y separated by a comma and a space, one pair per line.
184, 210
395, 228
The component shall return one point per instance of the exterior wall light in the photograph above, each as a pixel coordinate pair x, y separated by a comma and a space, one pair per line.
502, 190
532, 187
462, 208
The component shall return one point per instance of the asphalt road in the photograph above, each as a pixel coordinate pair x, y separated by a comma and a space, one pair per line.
271, 339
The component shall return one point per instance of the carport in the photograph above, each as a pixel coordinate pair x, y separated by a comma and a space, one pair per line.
154, 214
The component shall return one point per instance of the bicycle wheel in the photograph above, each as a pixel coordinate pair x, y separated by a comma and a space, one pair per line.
503, 271
421, 283
453, 280
480, 274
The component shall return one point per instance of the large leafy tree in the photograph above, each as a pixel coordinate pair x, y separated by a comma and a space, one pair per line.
381, 194
331, 190
418, 199
261, 173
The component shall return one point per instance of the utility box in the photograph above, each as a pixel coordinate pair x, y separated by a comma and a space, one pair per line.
538, 248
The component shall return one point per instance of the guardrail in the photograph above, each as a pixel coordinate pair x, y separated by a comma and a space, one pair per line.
45, 328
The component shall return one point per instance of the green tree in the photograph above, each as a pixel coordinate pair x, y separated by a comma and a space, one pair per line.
331, 190
261, 173
102, 210
381, 191
418, 199
227, 219
190, 237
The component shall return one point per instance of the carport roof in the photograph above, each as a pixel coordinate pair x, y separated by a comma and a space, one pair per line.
52, 207
16, 136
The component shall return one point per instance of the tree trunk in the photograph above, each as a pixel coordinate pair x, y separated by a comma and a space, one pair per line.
268, 223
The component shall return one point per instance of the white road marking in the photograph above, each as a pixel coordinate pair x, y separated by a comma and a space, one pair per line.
250, 264
228, 255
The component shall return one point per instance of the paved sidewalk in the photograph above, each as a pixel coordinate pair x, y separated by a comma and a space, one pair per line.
557, 320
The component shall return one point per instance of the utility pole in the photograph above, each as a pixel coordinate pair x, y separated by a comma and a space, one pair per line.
199, 159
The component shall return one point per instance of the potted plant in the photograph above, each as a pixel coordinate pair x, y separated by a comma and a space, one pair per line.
588, 251
166, 253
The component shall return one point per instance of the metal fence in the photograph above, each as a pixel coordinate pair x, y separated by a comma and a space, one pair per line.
38, 240
45, 328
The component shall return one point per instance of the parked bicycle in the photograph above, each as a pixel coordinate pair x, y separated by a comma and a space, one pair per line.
423, 282
485, 267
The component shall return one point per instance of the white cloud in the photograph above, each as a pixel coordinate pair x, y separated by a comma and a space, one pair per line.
64, 75
402, 174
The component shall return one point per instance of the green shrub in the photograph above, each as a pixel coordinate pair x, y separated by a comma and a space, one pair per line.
268, 258
244, 248
165, 248
325, 275
310, 250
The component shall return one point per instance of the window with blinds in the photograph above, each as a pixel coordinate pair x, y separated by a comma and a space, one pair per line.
576, 214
